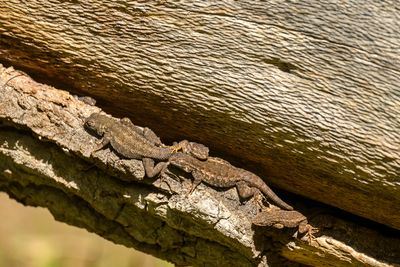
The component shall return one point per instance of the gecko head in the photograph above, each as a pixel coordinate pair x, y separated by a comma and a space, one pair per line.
181, 160
97, 123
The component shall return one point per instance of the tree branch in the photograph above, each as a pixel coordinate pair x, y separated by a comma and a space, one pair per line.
45, 161
305, 92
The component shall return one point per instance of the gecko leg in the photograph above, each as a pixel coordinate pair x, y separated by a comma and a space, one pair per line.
129, 123
152, 170
145, 132
245, 191
101, 143
182, 145
197, 178
309, 230
152, 137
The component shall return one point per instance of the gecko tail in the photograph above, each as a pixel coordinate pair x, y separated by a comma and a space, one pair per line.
267, 191
277, 200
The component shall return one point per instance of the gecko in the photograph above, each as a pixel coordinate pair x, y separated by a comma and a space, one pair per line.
220, 173
131, 141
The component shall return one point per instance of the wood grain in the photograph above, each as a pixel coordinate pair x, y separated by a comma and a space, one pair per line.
46, 160
304, 93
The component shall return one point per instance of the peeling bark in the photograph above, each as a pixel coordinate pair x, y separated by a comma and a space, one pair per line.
305, 93
45, 161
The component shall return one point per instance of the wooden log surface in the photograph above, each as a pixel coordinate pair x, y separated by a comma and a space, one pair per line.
46, 160
306, 94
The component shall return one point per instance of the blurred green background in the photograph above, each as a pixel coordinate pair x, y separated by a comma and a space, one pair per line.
30, 237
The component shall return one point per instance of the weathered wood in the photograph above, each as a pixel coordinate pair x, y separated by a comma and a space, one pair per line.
45, 160
305, 92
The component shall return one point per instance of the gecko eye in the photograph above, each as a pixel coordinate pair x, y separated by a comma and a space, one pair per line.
90, 124
94, 127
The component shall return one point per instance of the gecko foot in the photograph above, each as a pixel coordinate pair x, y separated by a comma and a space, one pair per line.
310, 231
179, 146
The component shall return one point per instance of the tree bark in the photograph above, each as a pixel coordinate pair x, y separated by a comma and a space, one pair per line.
46, 160
305, 94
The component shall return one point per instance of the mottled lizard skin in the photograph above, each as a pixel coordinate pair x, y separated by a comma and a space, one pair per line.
220, 173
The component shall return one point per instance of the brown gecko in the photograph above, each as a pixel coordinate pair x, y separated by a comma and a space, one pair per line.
131, 141
220, 173
284, 218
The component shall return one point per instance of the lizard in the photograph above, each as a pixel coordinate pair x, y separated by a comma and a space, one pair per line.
220, 173
282, 218
279, 219
131, 141
197, 150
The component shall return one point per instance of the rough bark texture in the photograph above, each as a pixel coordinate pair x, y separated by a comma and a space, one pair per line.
45, 160
304, 92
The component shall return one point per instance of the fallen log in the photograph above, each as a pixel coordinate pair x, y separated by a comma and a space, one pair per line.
304, 93
46, 160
